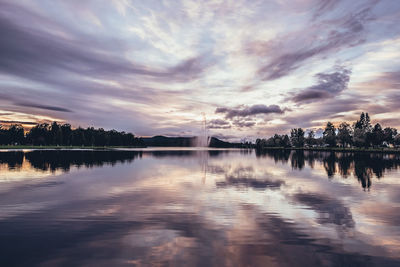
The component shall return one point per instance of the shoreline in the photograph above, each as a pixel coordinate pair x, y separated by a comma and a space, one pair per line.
322, 149
115, 148
337, 149
19, 147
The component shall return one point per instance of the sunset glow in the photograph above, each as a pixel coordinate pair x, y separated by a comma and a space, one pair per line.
152, 67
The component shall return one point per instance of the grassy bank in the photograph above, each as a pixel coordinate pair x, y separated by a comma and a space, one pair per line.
338, 149
65, 147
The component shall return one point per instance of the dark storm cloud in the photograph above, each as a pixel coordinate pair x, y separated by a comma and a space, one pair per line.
249, 110
328, 85
348, 31
53, 108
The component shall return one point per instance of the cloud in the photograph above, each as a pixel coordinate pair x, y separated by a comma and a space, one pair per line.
328, 85
53, 108
140, 67
324, 6
330, 210
244, 123
245, 176
346, 31
18, 122
49, 53
249, 110
258, 184
385, 81
310, 95
219, 124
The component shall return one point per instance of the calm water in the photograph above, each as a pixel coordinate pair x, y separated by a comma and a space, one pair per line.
199, 208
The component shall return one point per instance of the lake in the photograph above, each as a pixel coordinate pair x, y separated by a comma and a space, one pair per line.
199, 208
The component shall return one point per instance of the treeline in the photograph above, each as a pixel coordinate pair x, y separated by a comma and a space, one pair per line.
361, 134
64, 135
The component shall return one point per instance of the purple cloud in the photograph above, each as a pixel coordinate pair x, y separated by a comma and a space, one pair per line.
249, 110
346, 31
328, 85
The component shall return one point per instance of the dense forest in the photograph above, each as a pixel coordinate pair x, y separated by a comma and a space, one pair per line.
64, 135
361, 134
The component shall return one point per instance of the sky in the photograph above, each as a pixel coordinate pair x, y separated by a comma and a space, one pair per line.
253, 68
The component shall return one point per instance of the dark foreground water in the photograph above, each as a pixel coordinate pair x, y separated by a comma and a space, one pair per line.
199, 208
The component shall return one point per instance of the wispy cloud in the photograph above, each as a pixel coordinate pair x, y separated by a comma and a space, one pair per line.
32, 105
247, 111
333, 36
328, 85
253, 67
219, 124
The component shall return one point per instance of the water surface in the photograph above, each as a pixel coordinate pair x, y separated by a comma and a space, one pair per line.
199, 208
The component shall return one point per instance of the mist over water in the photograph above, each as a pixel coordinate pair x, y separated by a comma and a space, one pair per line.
203, 139
199, 207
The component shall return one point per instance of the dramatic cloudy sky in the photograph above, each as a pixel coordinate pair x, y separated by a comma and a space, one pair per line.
153, 67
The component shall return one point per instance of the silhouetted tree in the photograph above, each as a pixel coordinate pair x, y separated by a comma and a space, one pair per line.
310, 140
360, 123
377, 135
66, 132
362, 131
329, 134
275, 141
286, 141
56, 134
39, 135
396, 140
12, 135
297, 159
297, 137
389, 134
344, 134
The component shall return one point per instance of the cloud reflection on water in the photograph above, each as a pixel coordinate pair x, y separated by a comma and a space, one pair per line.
199, 208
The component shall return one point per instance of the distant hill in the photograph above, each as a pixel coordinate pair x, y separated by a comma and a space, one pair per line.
169, 141
165, 141
215, 142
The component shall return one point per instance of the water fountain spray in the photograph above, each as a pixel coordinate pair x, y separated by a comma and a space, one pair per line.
203, 138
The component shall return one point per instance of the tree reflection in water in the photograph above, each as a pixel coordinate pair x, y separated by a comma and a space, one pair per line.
363, 165
198, 208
